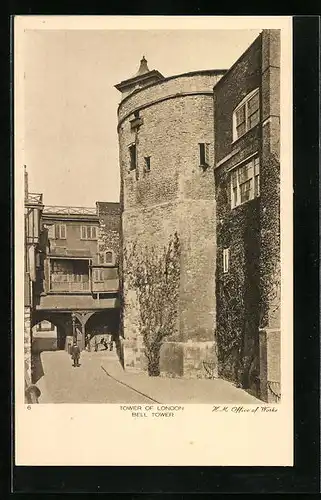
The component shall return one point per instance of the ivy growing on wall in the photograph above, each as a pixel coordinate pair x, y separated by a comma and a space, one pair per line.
237, 291
154, 274
270, 272
248, 296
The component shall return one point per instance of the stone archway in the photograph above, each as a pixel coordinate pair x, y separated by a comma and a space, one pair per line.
62, 322
43, 342
102, 324
82, 317
105, 321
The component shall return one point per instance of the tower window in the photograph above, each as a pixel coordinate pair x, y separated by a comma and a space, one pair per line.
226, 259
204, 151
147, 163
132, 154
136, 122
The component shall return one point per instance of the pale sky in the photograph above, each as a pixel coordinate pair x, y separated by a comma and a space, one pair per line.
71, 144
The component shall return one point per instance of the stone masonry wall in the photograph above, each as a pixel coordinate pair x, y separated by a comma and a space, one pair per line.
199, 82
175, 195
109, 228
270, 265
170, 136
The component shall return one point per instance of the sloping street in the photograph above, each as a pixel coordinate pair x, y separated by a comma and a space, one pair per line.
101, 379
89, 383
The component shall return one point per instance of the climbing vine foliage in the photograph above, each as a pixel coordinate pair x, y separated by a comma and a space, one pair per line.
154, 275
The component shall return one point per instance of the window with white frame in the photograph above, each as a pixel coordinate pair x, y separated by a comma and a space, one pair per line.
106, 257
245, 182
247, 114
226, 259
60, 231
88, 232
98, 275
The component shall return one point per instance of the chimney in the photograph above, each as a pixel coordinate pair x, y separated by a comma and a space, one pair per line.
142, 78
143, 68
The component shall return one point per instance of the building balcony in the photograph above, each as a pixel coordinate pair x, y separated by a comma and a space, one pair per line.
101, 280
64, 282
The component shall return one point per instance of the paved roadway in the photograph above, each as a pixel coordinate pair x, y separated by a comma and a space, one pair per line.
63, 383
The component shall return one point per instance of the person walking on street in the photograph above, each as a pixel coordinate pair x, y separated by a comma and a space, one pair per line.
75, 354
111, 342
88, 342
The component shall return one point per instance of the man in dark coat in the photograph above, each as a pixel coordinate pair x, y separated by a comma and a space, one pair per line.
75, 354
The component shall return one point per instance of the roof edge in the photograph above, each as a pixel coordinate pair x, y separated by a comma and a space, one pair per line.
238, 60
189, 73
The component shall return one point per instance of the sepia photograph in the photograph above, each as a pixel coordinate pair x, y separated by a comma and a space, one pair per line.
150, 164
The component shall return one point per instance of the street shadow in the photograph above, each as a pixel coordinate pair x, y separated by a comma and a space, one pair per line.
39, 345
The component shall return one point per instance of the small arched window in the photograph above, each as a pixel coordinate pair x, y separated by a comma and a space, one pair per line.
106, 257
247, 114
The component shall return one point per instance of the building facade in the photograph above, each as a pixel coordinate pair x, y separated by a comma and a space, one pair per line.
34, 250
166, 135
200, 159
247, 190
80, 281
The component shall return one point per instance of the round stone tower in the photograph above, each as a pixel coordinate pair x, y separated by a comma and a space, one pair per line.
166, 133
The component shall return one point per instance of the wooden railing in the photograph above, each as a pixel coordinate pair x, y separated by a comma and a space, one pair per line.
34, 199
70, 286
102, 280
58, 209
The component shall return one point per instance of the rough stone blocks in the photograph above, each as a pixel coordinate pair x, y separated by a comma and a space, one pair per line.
270, 370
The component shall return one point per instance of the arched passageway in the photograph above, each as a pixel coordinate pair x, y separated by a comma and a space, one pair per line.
102, 324
61, 323
47, 333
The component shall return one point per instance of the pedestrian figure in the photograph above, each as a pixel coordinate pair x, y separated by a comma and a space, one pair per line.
88, 342
96, 344
111, 342
75, 354
104, 343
